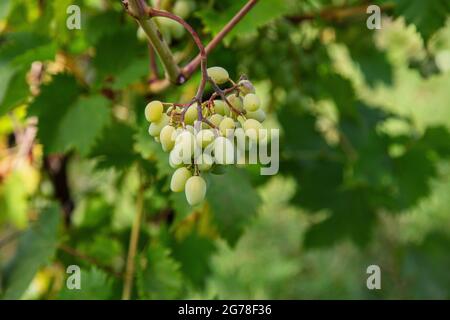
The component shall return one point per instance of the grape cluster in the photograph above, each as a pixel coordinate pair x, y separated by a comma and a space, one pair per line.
200, 137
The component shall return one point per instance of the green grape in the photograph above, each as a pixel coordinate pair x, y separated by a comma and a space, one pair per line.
205, 137
246, 87
204, 162
241, 139
251, 102
167, 137
252, 129
215, 119
258, 115
141, 35
218, 74
223, 151
154, 111
155, 127
177, 30
175, 160
179, 178
226, 126
185, 144
191, 115
236, 102
221, 108
191, 129
182, 8
195, 190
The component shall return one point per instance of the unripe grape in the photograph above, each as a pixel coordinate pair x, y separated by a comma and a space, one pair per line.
218, 74
226, 126
236, 102
205, 137
191, 129
204, 162
141, 35
185, 144
195, 190
251, 102
176, 29
215, 119
191, 115
182, 8
258, 115
155, 127
179, 178
252, 129
154, 111
246, 87
221, 108
175, 160
167, 137
223, 151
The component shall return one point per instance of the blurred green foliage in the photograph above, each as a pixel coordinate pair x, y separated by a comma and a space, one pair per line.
365, 155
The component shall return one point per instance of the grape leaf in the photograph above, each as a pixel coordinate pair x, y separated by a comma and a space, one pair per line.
233, 202
109, 60
158, 274
194, 267
427, 16
149, 149
425, 266
51, 106
82, 124
114, 148
262, 13
351, 216
36, 246
94, 285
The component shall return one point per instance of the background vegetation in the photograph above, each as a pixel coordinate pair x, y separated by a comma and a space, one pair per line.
365, 154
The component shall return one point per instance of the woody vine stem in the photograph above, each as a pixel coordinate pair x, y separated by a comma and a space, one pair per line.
139, 10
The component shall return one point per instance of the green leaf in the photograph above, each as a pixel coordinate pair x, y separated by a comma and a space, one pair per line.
149, 149
133, 73
262, 13
427, 16
114, 148
13, 201
425, 268
194, 267
82, 124
158, 274
373, 63
36, 247
234, 202
51, 106
351, 217
94, 285
13, 88
109, 59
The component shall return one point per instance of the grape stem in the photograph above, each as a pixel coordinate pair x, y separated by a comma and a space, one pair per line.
137, 9
151, 12
221, 93
190, 68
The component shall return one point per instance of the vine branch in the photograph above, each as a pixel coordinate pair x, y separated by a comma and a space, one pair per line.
190, 68
138, 10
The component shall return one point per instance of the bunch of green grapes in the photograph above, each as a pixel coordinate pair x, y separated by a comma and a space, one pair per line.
169, 28
203, 137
